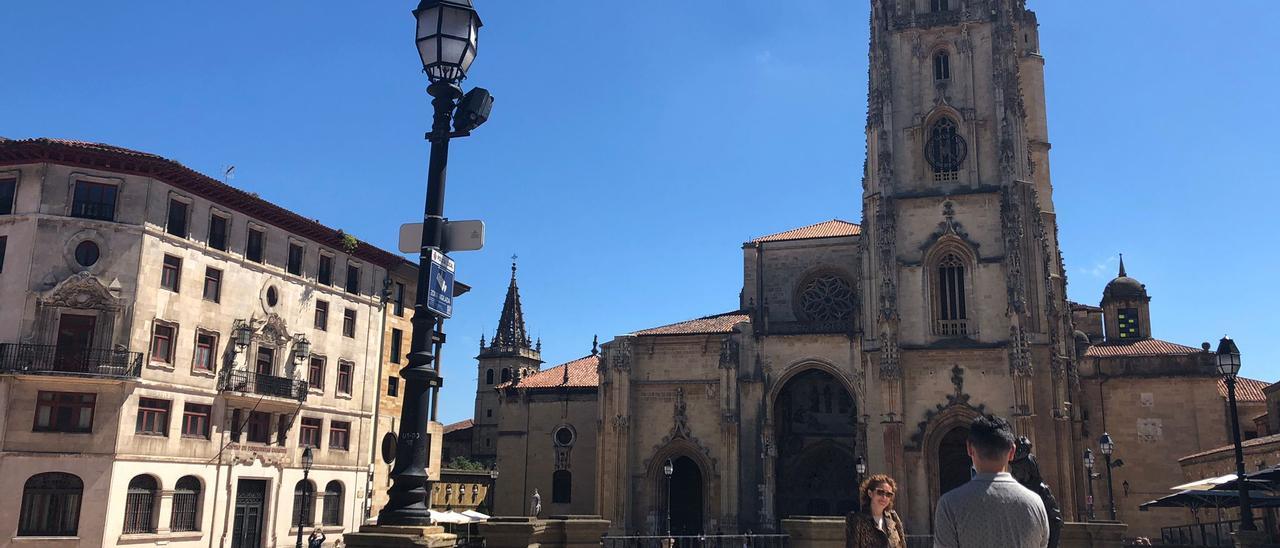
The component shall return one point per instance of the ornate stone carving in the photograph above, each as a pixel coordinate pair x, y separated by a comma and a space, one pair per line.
825, 297
680, 417
1019, 352
949, 227
957, 398
729, 353
620, 354
82, 290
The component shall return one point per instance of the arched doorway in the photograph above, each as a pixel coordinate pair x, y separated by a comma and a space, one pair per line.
685, 497
816, 428
953, 460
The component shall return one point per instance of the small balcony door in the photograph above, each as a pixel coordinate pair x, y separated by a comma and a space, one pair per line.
75, 338
265, 364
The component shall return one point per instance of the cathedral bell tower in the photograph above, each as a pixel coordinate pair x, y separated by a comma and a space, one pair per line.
509, 357
962, 277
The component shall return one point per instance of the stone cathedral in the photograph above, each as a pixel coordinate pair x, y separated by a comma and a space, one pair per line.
881, 340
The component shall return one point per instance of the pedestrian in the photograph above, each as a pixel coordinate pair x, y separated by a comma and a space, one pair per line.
992, 509
875, 524
316, 540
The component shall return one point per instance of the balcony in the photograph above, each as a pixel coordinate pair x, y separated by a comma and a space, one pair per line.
48, 359
252, 386
951, 328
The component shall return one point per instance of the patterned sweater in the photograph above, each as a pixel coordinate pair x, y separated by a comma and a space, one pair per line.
991, 510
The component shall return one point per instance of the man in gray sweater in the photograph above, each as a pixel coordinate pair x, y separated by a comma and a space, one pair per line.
993, 509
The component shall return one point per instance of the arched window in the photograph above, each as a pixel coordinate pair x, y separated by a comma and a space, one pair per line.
332, 504
561, 486
942, 65
140, 505
939, 5
951, 312
945, 150
186, 505
304, 509
50, 505
506, 374
488, 377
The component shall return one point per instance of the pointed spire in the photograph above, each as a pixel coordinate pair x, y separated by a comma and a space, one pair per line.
511, 331
1122, 274
539, 347
565, 378
595, 344
482, 340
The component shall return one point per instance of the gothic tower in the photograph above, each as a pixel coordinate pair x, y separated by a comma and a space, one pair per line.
510, 355
962, 280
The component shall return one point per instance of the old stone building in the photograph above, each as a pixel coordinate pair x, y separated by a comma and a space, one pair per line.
169, 345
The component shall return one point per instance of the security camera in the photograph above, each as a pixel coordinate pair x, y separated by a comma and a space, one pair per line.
472, 110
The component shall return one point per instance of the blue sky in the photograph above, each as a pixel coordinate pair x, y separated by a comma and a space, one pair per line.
633, 147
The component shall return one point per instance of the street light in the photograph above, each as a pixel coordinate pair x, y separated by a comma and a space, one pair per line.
1088, 471
447, 31
668, 469
861, 466
242, 333
1228, 360
1107, 446
301, 349
307, 459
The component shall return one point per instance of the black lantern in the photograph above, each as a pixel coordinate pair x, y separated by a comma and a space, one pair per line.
668, 469
861, 466
1107, 446
307, 460
447, 32
1228, 361
1088, 472
301, 350
242, 334
1228, 357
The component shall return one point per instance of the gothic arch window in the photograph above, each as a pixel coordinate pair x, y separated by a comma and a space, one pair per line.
140, 505
561, 486
945, 150
936, 6
942, 65
951, 307
51, 505
488, 377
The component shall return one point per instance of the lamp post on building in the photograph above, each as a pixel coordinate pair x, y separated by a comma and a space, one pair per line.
446, 38
1088, 471
668, 469
489, 495
1228, 360
860, 466
307, 495
1107, 446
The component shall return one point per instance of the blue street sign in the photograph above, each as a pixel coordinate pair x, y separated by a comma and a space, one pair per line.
440, 284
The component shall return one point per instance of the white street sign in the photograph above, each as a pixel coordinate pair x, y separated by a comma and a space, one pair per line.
458, 236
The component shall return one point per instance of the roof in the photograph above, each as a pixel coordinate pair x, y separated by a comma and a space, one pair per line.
719, 323
460, 425
1082, 306
1246, 389
582, 373
1142, 347
1261, 440
123, 160
828, 229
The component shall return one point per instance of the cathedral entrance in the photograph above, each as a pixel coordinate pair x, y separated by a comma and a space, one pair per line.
816, 432
686, 497
953, 460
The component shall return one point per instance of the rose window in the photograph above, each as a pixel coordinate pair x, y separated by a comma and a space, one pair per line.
827, 298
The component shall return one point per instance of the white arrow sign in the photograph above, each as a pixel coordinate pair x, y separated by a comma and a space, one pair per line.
458, 236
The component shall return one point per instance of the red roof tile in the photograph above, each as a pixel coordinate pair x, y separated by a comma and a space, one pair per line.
719, 323
582, 374
828, 229
1246, 389
1261, 440
1144, 347
460, 425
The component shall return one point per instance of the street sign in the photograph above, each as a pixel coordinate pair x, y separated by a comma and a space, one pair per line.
440, 284
458, 236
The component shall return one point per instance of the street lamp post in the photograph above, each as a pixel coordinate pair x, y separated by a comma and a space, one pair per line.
860, 466
307, 495
1228, 360
668, 469
489, 495
1108, 446
1088, 471
446, 40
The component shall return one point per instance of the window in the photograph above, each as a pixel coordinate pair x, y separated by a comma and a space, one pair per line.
951, 312
140, 505
212, 284
94, 201
295, 259
162, 344
344, 377
309, 435
393, 386
87, 253
177, 224
64, 412
561, 486
266, 361
153, 417
206, 349
4, 242
506, 374
218, 231
488, 413
171, 275
1127, 322
303, 510
488, 377
324, 274
315, 373
397, 341
186, 505
50, 505
945, 150
322, 315
8, 189
259, 427
353, 278
941, 66
195, 420
399, 309
253, 249
939, 5
332, 504
339, 435
349, 323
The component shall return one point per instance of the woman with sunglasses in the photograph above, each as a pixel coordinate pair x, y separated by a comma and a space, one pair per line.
875, 525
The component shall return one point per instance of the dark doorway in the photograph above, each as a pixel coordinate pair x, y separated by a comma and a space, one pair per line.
75, 338
686, 497
251, 496
816, 433
266, 361
953, 460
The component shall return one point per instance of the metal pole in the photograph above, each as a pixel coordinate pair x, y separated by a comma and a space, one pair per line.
669, 504
305, 501
407, 498
1111, 493
1246, 506
1089, 472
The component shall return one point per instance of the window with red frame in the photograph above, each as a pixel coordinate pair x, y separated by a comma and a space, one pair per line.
195, 420
153, 417
64, 412
258, 427
162, 343
315, 373
339, 435
344, 377
206, 347
309, 435
171, 275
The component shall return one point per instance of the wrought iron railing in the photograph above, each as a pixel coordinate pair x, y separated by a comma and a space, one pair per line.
1212, 533
695, 541
951, 328
265, 385
52, 360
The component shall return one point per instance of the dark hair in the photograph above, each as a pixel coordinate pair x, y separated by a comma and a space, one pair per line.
870, 484
991, 437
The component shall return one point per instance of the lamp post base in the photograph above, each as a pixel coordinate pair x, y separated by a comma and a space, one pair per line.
401, 536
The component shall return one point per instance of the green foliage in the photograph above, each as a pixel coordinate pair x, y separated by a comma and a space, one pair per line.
349, 242
464, 463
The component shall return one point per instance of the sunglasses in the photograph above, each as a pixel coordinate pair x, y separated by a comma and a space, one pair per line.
883, 493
